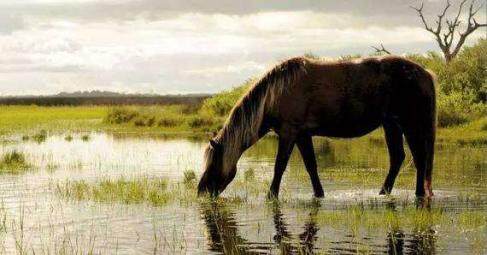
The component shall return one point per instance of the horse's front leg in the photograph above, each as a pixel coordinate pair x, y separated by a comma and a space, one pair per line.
286, 144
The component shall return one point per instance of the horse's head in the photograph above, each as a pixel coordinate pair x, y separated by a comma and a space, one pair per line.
217, 174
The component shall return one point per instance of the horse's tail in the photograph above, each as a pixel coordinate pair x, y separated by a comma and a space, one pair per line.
431, 120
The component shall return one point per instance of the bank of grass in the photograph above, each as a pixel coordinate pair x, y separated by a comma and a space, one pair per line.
13, 162
29, 120
163, 118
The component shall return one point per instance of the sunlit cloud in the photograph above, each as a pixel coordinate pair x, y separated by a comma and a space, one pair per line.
186, 50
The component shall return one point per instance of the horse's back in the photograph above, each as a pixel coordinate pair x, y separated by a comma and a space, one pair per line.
352, 98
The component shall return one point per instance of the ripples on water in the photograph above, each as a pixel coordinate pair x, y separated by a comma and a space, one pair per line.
43, 222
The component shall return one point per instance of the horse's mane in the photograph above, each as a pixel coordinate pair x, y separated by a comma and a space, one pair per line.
242, 126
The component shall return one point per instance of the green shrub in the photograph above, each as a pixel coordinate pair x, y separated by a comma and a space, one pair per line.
221, 103
120, 115
200, 121
144, 120
456, 109
466, 74
170, 121
484, 127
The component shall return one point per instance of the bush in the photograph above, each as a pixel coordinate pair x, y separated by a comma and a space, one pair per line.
484, 127
200, 121
169, 121
144, 121
465, 74
457, 108
120, 115
221, 103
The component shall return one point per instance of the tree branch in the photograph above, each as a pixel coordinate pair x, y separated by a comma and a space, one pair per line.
445, 37
381, 49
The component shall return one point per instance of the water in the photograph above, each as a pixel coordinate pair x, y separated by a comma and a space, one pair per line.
352, 171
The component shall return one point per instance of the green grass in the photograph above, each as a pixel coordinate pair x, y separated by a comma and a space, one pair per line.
13, 162
37, 122
189, 178
152, 191
16, 119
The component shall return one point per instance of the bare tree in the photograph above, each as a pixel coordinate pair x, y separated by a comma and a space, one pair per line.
445, 37
381, 50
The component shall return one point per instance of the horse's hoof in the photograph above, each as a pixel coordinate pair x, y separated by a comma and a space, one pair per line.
272, 196
384, 191
319, 194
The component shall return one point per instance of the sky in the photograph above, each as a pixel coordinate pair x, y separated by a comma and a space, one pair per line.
192, 46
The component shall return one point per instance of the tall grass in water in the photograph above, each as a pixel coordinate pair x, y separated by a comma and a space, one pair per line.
153, 191
13, 162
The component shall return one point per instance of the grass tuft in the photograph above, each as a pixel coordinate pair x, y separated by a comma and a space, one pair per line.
189, 178
85, 138
68, 138
249, 175
40, 137
13, 162
152, 191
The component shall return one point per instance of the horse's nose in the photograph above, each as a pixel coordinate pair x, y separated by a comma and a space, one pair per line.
207, 186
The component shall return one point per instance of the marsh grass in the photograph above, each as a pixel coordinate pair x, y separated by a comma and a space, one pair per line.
85, 138
14, 162
152, 191
249, 175
40, 137
421, 223
68, 138
189, 178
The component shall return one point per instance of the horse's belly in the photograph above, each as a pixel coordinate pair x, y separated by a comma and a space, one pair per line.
345, 127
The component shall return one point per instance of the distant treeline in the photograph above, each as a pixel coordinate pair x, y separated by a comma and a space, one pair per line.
104, 100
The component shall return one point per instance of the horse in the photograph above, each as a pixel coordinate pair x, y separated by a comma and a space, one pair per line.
301, 98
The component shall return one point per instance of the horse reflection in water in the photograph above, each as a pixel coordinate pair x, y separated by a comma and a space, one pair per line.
224, 237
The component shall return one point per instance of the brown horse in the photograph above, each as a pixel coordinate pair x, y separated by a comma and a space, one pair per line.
301, 98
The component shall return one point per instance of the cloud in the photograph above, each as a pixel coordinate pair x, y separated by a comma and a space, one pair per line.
186, 46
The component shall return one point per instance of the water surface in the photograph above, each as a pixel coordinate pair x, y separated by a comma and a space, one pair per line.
352, 171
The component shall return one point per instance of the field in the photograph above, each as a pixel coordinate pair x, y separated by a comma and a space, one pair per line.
73, 181
95, 179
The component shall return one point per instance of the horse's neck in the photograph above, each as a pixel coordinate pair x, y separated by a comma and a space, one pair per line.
237, 148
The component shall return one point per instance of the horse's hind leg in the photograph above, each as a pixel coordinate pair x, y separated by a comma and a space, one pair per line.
305, 146
421, 145
394, 140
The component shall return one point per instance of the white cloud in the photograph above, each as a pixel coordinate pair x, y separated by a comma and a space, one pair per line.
187, 52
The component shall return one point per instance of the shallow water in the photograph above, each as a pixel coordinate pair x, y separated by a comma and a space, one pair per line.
352, 171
